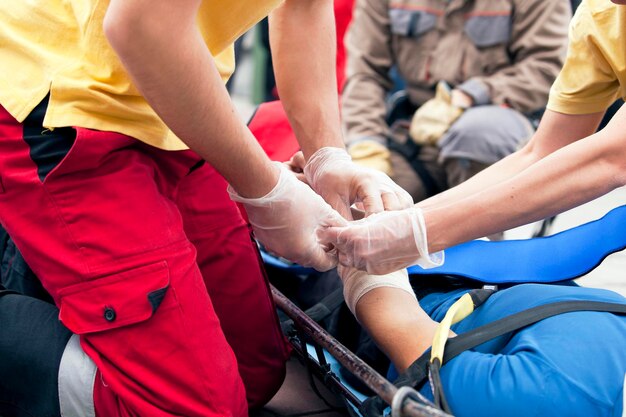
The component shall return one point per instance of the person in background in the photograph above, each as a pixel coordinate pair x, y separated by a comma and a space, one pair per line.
567, 162
471, 71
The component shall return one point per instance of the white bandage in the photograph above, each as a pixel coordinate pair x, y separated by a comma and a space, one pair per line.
357, 283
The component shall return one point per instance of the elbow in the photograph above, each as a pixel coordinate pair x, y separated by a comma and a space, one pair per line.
612, 152
619, 180
532, 152
117, 25
131, 28
614, 159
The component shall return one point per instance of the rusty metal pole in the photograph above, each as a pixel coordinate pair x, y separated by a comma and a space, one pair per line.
376, 382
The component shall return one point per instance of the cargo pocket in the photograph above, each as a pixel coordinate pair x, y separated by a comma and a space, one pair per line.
114, 301
487, 31
411, 23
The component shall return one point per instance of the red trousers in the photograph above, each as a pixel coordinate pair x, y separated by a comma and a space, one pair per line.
151, 264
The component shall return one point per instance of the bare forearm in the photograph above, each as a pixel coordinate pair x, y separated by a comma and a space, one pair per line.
566, 178
397, 324
302, 35
184, 87
556, 131
500, 171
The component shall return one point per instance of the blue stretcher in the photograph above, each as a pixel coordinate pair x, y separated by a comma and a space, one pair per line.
560, 257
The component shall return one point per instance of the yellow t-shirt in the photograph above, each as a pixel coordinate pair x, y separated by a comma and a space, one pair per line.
594, 74
58, 47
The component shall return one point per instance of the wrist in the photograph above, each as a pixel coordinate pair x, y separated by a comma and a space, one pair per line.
425, 259
316, 164
265, 188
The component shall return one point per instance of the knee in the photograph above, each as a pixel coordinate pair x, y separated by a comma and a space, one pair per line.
485, 134
263, 382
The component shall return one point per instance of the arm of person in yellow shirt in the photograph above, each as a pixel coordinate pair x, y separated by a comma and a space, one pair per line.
162, 49
555, 131
303, 44
561, 172
572, 172
175, 72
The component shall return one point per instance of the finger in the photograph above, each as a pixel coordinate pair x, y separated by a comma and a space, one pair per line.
344, 259
391, 201
341, 205
323, 261
298, 161
404, 198
334, 219
328, 236
372, 201
300, 176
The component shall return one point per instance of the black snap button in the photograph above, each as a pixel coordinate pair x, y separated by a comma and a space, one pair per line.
109, 314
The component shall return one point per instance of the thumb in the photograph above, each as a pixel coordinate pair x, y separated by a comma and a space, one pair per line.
333, 219
339, 204
369, 196
329, 236
323, 260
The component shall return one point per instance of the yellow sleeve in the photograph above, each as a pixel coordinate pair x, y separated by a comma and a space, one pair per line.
587, 82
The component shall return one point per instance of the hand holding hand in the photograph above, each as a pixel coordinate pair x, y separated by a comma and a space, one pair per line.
287, 218
383, 242
331, 172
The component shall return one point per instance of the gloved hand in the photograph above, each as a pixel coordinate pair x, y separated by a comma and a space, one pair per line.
383, 242
341, 182
434, 117
371, 154
296, 165
287, 218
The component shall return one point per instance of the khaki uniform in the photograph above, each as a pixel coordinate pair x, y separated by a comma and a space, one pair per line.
503, 53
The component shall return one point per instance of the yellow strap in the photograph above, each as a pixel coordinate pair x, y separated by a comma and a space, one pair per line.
462, 308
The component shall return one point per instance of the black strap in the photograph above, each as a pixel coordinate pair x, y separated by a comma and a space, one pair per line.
410, 151
417, 373
319, 311
482, 334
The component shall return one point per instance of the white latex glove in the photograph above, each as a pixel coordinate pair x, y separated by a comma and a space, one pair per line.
333, 175
287, 218
383, 242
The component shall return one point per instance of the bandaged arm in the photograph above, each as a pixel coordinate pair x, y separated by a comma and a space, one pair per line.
388, 309
357, 283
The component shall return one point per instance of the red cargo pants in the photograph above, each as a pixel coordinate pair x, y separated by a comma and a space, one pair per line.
150, 263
